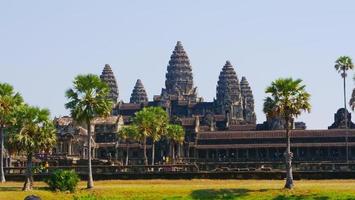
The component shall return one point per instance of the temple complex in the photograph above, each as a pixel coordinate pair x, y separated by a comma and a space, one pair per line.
222, 130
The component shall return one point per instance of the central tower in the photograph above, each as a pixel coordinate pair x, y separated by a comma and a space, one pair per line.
179, 79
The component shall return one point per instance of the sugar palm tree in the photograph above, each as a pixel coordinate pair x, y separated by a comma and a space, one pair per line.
288, 99
176, 135
33, 133
159, 126
151, 123
127, 133
86, 100
342, 65
143, 120
9, 101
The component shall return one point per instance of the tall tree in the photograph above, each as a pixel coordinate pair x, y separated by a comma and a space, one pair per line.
86, 100
176, 135
288, 99
9, 101
151, 123
159, 126
342, 65
33, 133
143, 120
128, 133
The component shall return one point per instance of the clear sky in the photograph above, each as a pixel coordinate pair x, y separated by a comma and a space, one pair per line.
45, 44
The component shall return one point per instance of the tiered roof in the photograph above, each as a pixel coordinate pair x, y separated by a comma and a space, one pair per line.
139, 95
179, 79
248, 101
228, 88
109, 78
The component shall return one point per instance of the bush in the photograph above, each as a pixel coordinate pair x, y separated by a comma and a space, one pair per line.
63, 180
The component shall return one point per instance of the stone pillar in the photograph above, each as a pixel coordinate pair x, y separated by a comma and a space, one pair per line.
61, 147
267, 151
69, 148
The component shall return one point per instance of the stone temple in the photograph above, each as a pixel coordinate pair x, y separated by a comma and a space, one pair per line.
222, 130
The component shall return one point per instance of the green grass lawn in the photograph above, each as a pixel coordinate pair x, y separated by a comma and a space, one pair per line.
191, 189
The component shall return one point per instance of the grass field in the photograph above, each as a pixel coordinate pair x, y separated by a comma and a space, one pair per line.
191, 189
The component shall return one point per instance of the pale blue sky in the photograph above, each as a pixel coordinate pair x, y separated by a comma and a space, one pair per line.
44, 44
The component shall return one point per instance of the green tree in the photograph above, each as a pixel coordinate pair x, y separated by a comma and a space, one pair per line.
151, 123
288, 99
9, 101
159, 126
33, 132
342, 65
86, 100
143, 120
176, 135
127, 133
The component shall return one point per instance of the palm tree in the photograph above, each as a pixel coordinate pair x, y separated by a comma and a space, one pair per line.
88, 99
9, 101
151, 123
176, 135
127, 133
159, 126
342, 65
143, 120
288, 98
34, 132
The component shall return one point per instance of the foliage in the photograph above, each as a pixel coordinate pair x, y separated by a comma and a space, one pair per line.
63, 180
88, 98
151, 122
343, 64
129, 132
175, 133
34, 130
288, 98
9, 101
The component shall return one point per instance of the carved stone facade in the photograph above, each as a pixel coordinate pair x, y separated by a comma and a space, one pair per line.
72, 138
229, 100
179, 83
339, 120
139, 95
247, 101
109, 78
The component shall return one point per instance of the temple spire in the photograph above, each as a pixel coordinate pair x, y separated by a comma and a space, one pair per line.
228, 93
228, 88
248, 101
179, 79
108, 77
139, 94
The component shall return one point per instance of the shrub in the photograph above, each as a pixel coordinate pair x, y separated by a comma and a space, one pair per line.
63, 180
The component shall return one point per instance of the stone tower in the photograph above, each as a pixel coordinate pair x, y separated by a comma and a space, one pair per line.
247, 102
229, 100
139, 94
179, 80
109, 78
